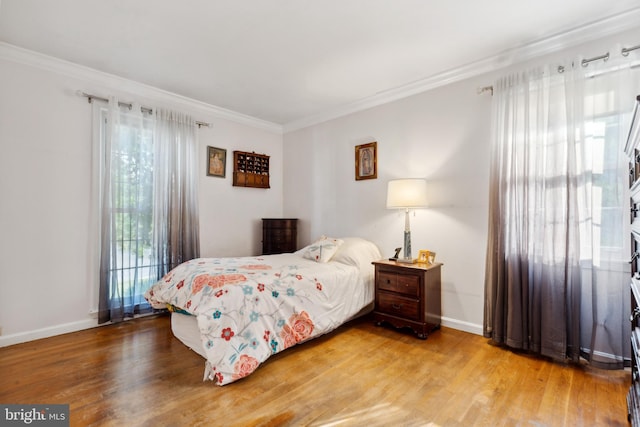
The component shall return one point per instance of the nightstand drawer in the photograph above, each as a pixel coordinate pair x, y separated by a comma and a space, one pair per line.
397, 305
406, 284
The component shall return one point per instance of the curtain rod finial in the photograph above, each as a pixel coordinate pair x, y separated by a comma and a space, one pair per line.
86, 95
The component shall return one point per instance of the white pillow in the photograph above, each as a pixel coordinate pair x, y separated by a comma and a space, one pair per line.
357, 251
322, 249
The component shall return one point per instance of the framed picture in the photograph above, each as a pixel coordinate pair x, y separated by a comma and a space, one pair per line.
367, 161
216, 162
426, 257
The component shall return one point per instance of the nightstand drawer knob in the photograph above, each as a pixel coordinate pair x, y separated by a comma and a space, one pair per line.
396, 306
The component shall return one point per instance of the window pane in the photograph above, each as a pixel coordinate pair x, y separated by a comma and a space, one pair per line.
132, 264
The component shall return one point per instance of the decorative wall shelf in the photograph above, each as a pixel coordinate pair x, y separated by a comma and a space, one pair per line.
250, 170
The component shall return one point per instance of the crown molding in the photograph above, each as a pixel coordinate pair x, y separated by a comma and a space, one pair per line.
592, 31
587, 33
92, 76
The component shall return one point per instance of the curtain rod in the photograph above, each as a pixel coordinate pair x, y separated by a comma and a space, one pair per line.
129, 105
624, 51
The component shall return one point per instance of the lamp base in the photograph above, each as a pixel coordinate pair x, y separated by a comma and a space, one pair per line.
408, 259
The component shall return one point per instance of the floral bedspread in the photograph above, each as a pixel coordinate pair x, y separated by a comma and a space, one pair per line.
252, 307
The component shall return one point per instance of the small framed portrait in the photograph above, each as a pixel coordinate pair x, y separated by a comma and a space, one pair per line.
216, 162
367, 161
426, 257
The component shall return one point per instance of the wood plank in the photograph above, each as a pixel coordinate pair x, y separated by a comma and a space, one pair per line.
137, 373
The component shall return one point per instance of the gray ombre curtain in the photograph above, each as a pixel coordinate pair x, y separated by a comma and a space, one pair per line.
176, 188
146, 170
557, 269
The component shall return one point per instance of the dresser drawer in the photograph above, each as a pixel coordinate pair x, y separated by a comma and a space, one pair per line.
635, 253
279, 235
402, 283
270, 223
396, 305
635, 213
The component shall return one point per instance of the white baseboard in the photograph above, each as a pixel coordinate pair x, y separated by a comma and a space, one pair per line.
462, 326
7, 340
21, 337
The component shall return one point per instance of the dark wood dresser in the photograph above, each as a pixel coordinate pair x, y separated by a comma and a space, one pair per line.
632, 149
279, 235
408, 295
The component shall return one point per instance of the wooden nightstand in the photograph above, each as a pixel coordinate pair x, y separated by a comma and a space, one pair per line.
408, 295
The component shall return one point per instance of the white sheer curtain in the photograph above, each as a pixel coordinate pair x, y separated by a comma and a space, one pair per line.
557, 260
176, 219
146, 173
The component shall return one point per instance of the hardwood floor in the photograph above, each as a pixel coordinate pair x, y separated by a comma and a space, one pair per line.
138, 374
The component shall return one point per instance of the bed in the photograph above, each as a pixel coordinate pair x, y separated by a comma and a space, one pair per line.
237, 312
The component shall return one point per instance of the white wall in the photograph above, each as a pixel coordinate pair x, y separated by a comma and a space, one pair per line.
442, 135
46, 235
230, 217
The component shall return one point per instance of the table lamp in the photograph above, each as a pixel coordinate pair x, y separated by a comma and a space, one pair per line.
407, 194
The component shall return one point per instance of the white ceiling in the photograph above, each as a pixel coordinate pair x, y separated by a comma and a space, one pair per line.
286, 60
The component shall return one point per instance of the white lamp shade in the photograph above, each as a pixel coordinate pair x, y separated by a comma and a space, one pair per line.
407, 193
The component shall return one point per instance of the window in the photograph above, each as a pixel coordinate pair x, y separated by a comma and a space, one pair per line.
131, 211
127, 206
146, 184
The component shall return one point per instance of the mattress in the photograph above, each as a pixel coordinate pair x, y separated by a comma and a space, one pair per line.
185, 328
